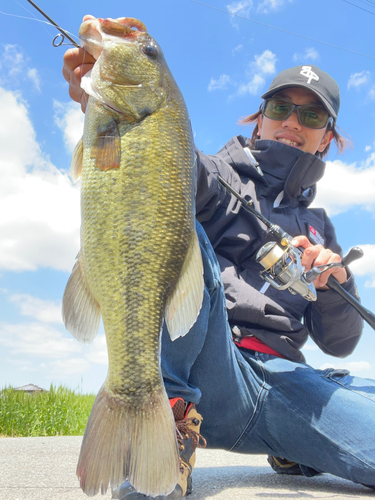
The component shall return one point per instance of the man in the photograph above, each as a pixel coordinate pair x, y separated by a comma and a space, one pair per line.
240, 367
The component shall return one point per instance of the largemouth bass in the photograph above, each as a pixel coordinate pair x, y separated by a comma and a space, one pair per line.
140, 259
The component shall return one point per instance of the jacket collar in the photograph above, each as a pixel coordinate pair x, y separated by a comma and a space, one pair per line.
283, 167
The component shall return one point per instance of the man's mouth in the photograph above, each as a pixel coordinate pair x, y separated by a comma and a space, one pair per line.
289, 142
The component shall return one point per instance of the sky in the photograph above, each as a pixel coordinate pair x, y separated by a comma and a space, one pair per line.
222, 63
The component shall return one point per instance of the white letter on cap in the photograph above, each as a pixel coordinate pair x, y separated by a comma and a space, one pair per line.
309, 74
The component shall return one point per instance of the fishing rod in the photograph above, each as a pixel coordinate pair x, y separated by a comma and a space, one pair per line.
282, 262
63, 34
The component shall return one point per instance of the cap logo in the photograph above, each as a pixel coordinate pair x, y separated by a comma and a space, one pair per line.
309, 74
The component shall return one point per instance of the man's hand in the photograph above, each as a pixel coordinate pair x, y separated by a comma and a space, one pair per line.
317, 255
77, 62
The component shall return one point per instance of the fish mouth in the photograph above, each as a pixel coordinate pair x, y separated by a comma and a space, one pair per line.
93, 31
122, 27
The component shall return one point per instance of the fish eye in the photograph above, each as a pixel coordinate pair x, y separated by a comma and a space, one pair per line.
150, 50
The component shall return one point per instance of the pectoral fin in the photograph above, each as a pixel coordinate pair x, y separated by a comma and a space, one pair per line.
77, 159
107, 147
185, 302
80, 310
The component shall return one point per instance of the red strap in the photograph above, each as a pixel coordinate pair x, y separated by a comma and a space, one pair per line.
255, 344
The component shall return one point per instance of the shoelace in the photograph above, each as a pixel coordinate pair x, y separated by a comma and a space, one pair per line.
184, 431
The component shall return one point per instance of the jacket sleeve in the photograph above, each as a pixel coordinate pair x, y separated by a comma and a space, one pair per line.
333, 324
210, 193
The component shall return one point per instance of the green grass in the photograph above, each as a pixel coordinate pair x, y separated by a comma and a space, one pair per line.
59, 412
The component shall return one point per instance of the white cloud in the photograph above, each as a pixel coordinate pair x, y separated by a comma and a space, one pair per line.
252, 87
262, 66
38, 340
358, 80
237, 49
13, 58
366, 265
70, 119
240, 8
310, 347
14, 65
370, 283
367, 149
309, 54
39, 206
33, 75
352, 366
97, 351
354, 186
220, 84
45, 311
67, 367
265, 63
371, 93
269, 5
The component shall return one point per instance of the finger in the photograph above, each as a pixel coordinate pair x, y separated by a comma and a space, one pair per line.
75, 90
301, 241
77, 74
339, 272
88, 17
74, 58
310, 256
324, 258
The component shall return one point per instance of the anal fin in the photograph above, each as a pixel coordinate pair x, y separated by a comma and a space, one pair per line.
185, 302
77, 159
80, 310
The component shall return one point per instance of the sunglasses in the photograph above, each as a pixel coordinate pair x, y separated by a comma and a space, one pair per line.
309, 115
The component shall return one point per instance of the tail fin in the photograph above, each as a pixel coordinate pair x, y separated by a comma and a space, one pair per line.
123, 442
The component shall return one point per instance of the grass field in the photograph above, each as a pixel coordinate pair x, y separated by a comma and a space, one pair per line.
58, 412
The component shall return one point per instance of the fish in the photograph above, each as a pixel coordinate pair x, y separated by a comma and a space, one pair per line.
140, 262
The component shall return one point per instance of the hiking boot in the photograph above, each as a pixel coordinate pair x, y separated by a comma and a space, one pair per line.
283, 466
188, 424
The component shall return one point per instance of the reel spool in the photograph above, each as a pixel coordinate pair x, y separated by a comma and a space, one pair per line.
283, 269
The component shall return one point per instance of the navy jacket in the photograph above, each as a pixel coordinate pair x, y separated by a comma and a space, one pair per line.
282, 187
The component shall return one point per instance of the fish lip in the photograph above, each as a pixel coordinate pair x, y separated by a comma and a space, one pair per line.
93, 32
123, 30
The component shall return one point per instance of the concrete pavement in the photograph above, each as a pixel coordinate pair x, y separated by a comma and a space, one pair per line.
44, 469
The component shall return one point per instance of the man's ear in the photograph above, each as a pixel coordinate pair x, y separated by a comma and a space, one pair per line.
327, 138
260, 121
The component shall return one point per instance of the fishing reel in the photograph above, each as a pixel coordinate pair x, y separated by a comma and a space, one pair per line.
284, 271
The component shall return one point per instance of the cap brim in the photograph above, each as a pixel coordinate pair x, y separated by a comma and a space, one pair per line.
324, 101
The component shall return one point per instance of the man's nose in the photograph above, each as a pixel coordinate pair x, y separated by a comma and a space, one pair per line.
292, 121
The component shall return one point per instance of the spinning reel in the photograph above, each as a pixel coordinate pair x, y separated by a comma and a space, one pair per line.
283, 268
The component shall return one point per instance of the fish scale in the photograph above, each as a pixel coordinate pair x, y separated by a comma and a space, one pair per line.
140, 260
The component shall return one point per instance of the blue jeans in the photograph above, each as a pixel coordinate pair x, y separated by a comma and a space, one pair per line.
261, 404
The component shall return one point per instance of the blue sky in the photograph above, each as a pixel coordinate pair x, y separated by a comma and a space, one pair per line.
222, 65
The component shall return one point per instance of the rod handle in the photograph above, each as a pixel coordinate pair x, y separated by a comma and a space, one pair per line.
367, 315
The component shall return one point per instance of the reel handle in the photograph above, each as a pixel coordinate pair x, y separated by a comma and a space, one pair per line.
367, 315
353, 254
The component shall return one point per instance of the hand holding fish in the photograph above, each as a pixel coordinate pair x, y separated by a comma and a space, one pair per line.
77, 62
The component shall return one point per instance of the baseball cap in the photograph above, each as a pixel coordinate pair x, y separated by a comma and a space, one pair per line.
311, 78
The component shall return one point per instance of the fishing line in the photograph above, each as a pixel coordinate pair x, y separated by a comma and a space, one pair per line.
41, 21
34, 16
38, 20
282, 30
358, 7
